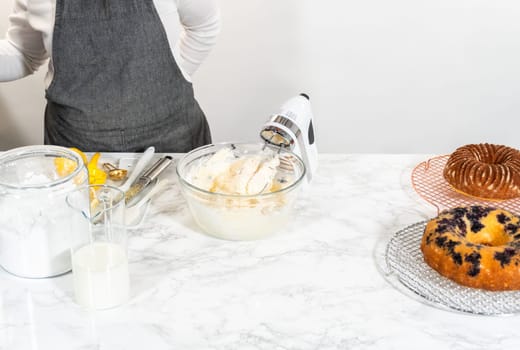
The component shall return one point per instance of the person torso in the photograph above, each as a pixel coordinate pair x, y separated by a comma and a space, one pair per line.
42, 18
116, 84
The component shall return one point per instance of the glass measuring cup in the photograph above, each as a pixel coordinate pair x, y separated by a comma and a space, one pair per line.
99, 253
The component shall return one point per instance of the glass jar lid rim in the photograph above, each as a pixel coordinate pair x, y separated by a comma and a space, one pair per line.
38, 151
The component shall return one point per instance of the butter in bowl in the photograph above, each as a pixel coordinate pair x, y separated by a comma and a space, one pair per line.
241, 191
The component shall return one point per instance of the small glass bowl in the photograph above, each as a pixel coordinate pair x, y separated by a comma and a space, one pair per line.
242, 217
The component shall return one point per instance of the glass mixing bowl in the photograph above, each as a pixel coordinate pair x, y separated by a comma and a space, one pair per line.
237, 216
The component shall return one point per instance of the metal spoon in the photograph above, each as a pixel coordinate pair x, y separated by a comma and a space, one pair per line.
114, 173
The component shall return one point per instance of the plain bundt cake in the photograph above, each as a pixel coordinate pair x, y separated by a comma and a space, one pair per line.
485, 170
475, 246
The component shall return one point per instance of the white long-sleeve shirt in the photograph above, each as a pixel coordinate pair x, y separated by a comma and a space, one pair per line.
28, 43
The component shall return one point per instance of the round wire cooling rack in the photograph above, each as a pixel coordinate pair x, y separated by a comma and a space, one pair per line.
401, 261
429, 183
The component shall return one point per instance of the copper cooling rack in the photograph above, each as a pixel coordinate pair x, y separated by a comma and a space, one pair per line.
429, 183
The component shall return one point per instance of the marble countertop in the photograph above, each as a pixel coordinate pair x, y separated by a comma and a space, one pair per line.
315, 285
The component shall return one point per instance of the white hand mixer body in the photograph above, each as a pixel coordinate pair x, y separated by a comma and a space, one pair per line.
292, 127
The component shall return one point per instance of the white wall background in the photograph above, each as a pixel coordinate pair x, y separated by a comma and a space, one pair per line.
400, 76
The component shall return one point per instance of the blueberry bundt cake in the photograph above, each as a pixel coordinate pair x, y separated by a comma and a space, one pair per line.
485, 170
475, 246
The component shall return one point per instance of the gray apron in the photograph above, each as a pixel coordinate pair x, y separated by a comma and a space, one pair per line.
116, 86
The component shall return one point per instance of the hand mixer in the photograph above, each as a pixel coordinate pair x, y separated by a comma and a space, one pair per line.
292, 128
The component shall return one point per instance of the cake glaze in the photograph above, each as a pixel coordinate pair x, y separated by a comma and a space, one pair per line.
485, 170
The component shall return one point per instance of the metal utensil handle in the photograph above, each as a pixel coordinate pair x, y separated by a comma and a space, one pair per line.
157, 168
139, 166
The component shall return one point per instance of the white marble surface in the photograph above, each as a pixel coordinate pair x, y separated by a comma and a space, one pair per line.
313, 286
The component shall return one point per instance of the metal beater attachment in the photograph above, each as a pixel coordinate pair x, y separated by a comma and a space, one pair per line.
278, 138
286, 160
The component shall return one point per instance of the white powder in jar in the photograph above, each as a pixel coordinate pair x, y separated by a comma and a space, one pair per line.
35, 230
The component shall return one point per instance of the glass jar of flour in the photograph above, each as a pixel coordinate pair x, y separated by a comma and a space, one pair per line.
34, 216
